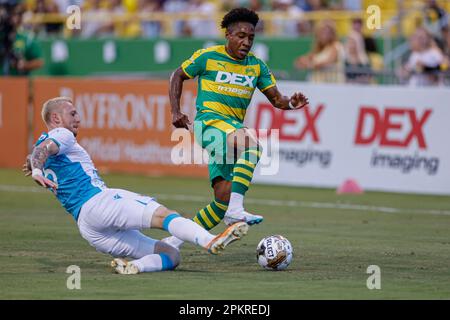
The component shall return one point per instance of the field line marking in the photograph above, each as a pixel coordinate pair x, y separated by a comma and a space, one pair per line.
310, 204
267, 202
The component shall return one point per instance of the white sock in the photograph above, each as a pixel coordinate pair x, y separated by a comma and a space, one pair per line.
148, 263
187, 230
236, 203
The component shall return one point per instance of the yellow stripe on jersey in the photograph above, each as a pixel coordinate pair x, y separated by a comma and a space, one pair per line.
225, 110
221, 49
268, 87
184, 65
221, 125
194, 56
227, 89
274, 82
248, 70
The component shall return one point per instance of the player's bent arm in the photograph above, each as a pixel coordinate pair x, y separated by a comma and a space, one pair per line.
38, 158
276, 98
176, 88
296, 101
179, 120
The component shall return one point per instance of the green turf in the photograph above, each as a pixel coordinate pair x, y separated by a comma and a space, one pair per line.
333, 247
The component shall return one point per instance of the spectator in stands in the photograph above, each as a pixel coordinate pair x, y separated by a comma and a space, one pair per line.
125, 26
150, 29
435, 19
356, 32
357, 67
255, 5
445, 66
46, 28
352, 5
327, 58
424, 63
176, 6
64, 4
446, 41
20, 52
95, 22
202, 27
292, 24
376, 60
317, 5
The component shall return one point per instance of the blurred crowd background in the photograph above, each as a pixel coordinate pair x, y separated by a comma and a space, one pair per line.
334, 43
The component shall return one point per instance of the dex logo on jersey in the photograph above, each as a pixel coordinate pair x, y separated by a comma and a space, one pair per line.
235, 78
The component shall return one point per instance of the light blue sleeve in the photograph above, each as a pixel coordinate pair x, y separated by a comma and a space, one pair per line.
64, 138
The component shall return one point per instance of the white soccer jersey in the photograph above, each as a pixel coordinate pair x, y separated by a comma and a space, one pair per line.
72, 169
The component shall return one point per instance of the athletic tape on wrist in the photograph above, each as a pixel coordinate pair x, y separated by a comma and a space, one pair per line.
37, 172
291, 106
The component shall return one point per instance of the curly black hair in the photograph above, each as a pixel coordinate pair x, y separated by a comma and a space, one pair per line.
239, 15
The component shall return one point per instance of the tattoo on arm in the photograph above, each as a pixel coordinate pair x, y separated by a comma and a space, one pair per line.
41, 153
38, 157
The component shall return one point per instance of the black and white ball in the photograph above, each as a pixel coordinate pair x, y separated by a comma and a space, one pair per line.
274, 253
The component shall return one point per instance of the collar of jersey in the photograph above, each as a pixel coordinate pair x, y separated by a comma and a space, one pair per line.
224, 51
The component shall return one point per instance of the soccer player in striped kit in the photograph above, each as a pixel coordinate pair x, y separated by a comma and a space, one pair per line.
227, 77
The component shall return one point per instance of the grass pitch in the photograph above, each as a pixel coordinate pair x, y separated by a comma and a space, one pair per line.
335, 239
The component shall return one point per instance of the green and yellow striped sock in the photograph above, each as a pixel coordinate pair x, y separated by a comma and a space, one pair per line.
211, 215
243, 170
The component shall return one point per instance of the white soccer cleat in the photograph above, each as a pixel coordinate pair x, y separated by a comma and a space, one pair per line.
122, 266
243, 216
231, 234
173, 241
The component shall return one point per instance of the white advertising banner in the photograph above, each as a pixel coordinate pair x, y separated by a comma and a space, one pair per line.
386, 138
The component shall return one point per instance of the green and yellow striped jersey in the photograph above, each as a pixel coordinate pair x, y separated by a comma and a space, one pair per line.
225, 84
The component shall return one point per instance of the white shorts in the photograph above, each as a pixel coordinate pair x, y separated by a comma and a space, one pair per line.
110, 221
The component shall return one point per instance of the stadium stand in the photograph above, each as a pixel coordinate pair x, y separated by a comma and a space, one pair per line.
291, 21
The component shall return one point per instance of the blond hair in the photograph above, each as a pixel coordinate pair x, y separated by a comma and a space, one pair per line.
324, 25
51, 105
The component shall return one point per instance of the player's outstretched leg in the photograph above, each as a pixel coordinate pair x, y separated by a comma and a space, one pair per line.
232, 233
173, 241
242, 176
150, 254
122, 266
211, 215
187, 230
164, 257
208, 218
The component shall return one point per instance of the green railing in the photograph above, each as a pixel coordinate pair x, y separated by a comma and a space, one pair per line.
154, 58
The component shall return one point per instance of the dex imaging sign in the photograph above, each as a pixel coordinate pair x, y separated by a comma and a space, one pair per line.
396, 128
387, 123
386, 138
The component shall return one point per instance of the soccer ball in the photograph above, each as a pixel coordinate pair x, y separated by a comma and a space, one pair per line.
274, 253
